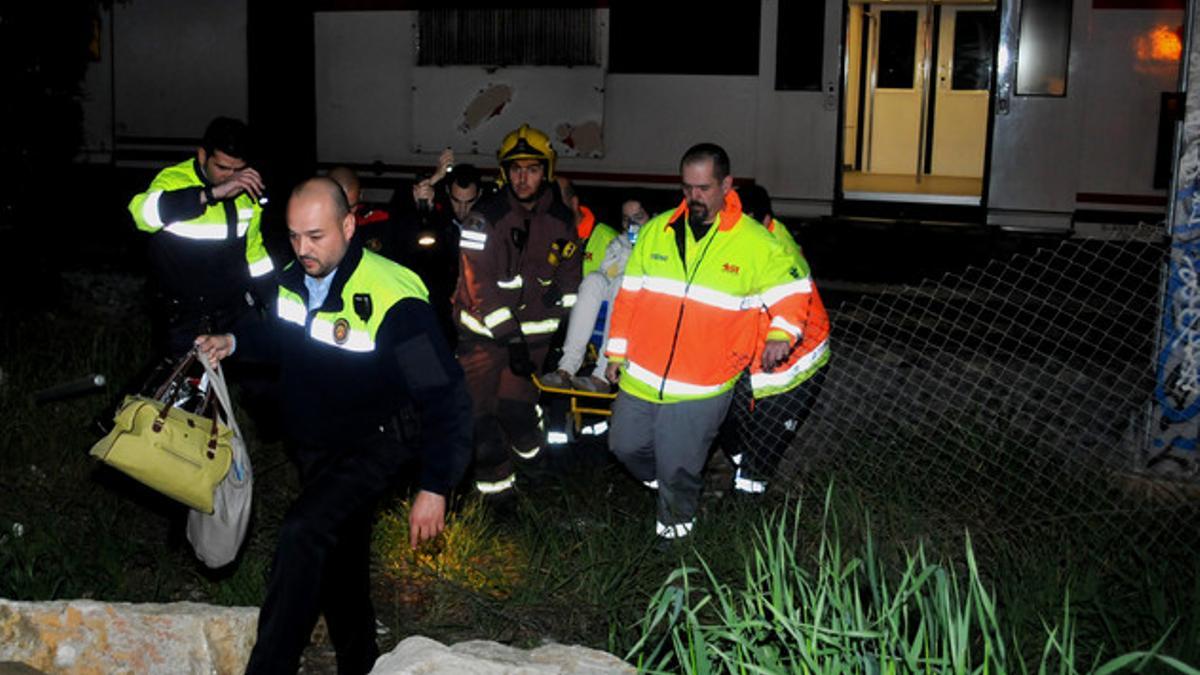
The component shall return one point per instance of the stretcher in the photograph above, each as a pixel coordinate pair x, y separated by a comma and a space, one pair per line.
582, 402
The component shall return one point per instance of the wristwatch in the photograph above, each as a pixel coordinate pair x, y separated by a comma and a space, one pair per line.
208, 195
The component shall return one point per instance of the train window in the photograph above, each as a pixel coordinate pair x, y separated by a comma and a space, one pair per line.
800, 46
973, 49
651, 37
1044, 45
897, 49
507, 37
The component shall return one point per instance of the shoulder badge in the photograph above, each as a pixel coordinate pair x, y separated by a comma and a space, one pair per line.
560, 250
341, 331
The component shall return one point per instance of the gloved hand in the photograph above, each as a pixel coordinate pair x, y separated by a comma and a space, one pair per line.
519, 361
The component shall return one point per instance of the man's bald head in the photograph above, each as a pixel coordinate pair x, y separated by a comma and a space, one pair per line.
320, 225
327, 189
345, 177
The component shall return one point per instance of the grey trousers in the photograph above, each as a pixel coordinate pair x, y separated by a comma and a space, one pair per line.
668, 442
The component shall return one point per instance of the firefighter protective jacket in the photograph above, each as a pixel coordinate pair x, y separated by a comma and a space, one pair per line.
200, 251
812, 351
686, 327
371, 351
520, 269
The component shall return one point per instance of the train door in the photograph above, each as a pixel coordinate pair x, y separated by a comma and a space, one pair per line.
1035, 165
918, 86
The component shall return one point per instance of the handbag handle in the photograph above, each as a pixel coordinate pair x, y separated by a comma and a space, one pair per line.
210, 402
207, 405
179, 369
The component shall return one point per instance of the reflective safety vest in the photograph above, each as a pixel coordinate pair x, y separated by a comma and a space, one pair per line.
686, 328
598, 236
812, 352
353, 327
217, 221
520, 269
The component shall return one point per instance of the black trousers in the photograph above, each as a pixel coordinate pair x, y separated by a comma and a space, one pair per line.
759, 432
322, 561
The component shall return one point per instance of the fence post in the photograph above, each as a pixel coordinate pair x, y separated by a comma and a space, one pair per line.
1175, 416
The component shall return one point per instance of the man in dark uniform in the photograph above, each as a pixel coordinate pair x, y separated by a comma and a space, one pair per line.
368, 384
519, 272
206, 249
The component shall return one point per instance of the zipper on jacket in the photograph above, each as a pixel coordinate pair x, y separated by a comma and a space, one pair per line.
682, 302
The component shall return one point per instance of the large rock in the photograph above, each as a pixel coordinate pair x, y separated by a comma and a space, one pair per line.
478, 657
82, 637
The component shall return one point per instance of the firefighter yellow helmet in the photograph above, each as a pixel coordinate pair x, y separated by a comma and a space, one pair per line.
526, 143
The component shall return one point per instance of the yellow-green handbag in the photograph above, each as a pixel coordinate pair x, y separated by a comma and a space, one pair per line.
180, 454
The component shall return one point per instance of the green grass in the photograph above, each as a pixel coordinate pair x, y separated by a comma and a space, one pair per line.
839, 612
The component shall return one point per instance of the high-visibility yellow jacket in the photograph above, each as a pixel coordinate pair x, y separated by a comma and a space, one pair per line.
200, 249
812, 351
686, 327
597, 235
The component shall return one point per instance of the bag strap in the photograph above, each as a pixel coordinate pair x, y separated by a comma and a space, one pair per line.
186, 361
205, 405
217, 386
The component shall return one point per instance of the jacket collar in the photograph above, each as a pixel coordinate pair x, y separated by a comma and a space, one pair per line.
200, 171
540, 205
587, 222
293, 278
729, 216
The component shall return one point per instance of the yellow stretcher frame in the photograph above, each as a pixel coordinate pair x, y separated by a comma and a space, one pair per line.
578, 410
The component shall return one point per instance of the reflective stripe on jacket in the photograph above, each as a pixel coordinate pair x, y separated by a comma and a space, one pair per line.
687, 329
379, 280
216, 222
519, 269
812, 351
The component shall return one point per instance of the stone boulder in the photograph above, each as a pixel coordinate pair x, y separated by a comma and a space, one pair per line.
84, 637
478, 657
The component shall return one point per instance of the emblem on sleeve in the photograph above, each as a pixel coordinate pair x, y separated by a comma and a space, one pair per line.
341, 331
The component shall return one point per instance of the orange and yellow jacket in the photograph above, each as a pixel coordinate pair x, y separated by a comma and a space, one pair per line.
685, 327
812, 352
597, 235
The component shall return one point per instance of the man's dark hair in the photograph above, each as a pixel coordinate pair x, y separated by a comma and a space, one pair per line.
703, 151
756, 202
466, 175
228, 135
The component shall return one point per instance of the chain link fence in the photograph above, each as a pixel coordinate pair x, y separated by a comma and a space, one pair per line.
1010, 399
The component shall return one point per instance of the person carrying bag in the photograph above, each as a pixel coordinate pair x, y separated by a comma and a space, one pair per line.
197, 458
216, 537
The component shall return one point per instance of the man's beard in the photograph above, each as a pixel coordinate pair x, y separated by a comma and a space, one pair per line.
697, 212
533, 197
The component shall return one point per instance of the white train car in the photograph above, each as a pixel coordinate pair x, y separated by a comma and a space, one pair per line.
1028, 114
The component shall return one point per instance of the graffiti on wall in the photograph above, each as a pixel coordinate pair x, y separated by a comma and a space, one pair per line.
1177, 387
